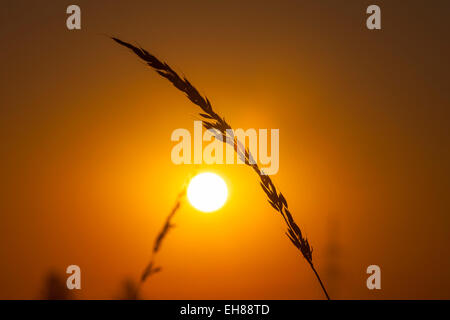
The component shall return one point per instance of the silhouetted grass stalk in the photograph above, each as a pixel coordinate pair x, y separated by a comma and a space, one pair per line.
223, 131
151, 269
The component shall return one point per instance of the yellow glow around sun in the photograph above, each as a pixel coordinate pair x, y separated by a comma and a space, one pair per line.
207, 192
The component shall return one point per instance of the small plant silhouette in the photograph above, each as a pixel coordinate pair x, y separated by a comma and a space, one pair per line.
55, 287
151, 269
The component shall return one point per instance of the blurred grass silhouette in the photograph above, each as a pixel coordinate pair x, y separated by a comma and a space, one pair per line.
55, 287
151, 269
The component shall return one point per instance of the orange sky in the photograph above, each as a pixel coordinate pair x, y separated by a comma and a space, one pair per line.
364, 147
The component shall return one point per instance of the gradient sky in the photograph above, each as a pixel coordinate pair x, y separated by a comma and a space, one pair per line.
364, 147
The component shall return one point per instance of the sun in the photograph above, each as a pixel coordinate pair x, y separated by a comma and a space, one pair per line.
207, 192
